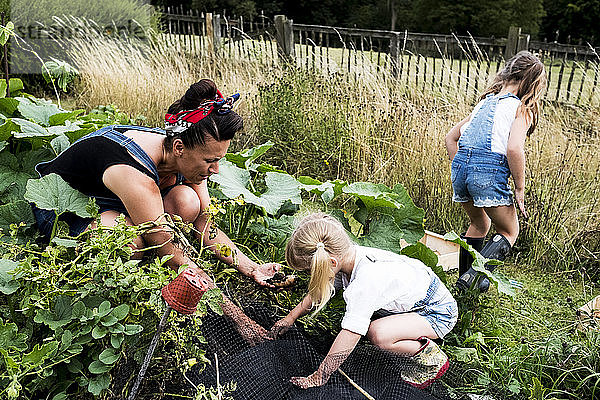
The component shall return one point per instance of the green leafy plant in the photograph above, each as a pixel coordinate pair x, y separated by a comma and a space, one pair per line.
59, 72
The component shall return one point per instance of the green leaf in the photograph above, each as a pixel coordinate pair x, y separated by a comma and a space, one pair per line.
104, 308
52, 193
99, 383
30, 130
99, 332
37, 110
502, 283
476, 338
421, 252
116, 340
327, 190
68, 243
373, 195
60, 143
109, 320
6, 32
427, 257
15, 213
66, 339
11, 364
109, 356
98, 367
40, 353
78, 310
60, 396
233, 183
244, 158
383, 234
116, 328
131, 329
8, 283
61, 117
463, 354
120, 312
11, 339
60, 316
379, 199
60, 72
16, 85
8, 105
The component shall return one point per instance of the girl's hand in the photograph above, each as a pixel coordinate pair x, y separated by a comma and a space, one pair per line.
264, 272
520, 200
313, 380
280, 327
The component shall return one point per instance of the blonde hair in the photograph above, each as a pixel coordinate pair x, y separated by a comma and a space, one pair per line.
528, 71
317, 238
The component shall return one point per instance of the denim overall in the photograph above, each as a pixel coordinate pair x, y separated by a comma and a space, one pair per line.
438, 306
45, 218
479, 174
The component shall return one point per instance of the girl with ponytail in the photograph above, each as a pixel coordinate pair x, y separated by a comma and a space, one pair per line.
485, 149
397, 302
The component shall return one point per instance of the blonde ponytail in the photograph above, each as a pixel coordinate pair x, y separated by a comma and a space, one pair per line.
317, 238
320, 287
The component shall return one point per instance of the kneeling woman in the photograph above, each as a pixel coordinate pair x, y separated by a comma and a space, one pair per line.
396, 301
143, 173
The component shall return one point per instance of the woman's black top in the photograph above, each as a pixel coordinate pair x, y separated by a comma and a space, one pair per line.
82, 165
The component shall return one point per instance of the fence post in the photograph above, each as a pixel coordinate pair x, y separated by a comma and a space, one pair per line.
217, 32
395, 54
512, 42
523, 42
210, 47
285, 37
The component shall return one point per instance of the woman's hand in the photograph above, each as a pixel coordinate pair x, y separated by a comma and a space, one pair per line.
280, 327
313, 380
520, 200
264, 272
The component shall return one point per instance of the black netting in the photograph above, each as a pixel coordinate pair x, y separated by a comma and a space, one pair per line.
263, 371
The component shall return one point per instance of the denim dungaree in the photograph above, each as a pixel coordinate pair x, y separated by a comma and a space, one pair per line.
438, 306
479, 174
45, 218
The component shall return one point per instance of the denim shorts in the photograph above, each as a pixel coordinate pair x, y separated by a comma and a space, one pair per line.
439, 308
481, 176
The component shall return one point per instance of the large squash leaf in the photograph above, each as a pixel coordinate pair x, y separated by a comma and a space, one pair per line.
52, 193
233, 182
375, 199
38, 110
245, 158
327, 190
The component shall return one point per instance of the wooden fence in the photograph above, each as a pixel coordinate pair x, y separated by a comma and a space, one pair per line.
463, 63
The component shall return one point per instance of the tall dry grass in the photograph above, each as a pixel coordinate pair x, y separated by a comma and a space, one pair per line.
371, 127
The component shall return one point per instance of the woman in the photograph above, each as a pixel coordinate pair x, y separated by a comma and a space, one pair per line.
143, 173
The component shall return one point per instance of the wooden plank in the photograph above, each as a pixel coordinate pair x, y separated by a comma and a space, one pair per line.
573, 68
593, 91
583, 75
560, 75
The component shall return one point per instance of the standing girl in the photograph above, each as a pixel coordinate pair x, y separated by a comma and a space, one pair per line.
485, 149
397, 302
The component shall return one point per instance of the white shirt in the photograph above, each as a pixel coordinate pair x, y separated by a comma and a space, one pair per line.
381, 279
506, 112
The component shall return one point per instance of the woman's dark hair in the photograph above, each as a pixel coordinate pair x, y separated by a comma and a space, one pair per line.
218, 126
